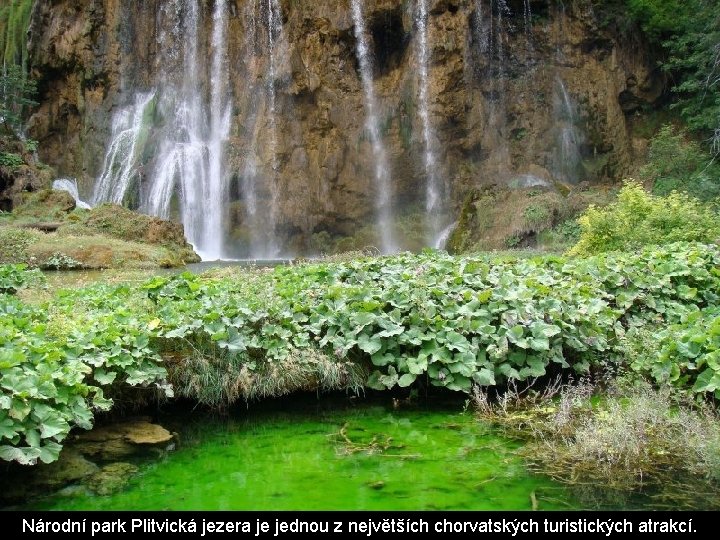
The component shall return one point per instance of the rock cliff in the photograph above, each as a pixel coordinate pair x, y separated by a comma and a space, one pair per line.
520, 92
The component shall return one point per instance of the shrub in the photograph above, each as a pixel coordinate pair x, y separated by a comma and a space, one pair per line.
14, 243
677, 163
638, 219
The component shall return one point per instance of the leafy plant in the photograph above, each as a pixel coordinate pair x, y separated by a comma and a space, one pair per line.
677, 163
16, 95
15, 277
428, 319
687, 354
61, 261
638, 219
11, 160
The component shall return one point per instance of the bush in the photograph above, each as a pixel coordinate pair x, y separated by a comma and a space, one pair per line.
638, 219
15, 242
677, 163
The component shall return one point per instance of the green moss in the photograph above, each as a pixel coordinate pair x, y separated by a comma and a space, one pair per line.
67, 251
14, 25
44, 206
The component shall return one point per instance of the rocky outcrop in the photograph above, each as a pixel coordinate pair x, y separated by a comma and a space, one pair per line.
118, 441
505, 98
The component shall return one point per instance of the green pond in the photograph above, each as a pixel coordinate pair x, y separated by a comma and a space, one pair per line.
330, 456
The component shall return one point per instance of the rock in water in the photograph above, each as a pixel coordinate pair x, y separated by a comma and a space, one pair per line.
111, 478
117, 441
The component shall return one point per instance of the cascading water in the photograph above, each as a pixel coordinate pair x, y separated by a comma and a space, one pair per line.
567, 161
527, 16
259, 180
130, 130
490, 32
434, 188
190, 147
70, 185
444, 236
216, 194
383, 185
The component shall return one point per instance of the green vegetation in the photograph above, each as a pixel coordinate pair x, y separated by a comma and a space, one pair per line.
685, 355
689, 33
16, 95
678, 163
428, 319
639, 219
613, 444
108, 236
498, 219
11, 160
14, 24
15, 277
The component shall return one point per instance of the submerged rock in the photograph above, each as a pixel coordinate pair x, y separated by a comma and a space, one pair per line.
117, 441
111, 478
70, 468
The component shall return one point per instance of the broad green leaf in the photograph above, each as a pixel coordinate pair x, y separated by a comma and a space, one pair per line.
484, 377
368, 344
104, 378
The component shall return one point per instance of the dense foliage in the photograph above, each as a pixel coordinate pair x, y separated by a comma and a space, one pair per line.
16, 95
689, 32
639, 219
51, 375
687, 354
423, 319
678, 163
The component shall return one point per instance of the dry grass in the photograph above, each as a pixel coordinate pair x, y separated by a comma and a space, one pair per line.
220, 381
632, 440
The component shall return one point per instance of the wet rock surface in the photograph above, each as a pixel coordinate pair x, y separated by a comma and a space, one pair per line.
495, 102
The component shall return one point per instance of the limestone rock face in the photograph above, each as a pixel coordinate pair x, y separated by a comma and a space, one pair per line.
509, 96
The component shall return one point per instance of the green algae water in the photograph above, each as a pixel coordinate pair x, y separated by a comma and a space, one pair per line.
363, 457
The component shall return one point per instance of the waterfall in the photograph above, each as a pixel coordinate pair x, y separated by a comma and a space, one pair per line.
190, 159
190, 143
527, 16
130, 129
434, 192
567, 161
70, 185
383, 186
489, 27
262, 219
274, 27
216, 196
444, 236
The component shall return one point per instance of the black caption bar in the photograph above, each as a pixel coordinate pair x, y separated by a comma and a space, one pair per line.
214, 525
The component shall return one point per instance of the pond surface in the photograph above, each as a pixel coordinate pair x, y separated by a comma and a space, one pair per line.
340, 457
